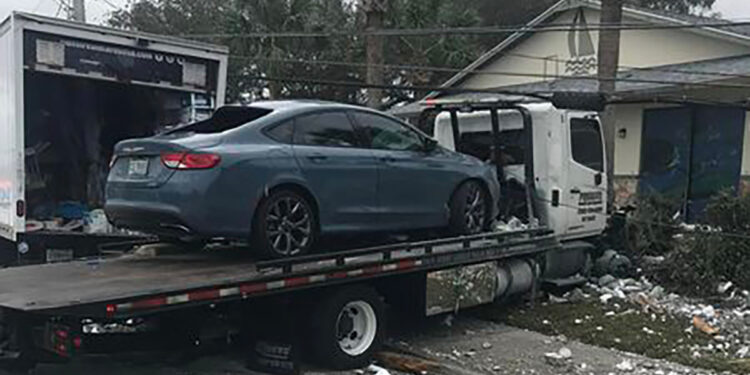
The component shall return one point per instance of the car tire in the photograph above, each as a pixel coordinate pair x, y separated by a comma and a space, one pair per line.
285, 225
347, 328
470, 211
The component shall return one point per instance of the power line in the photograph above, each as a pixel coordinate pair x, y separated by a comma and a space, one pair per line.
568, 27
64, 5
363, 85
540, 95
112, 5
497, 73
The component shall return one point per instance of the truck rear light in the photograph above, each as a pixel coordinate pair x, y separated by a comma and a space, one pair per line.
63, 334
185, 160
77, 342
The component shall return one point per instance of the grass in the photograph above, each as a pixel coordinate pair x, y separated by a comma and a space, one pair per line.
667, 337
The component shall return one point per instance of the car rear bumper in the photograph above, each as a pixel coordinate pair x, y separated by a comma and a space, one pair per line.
149, 217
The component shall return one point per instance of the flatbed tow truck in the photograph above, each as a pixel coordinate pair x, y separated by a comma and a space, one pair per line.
330, 305
45, 308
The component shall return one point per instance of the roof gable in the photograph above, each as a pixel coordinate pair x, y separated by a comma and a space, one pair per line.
739, 35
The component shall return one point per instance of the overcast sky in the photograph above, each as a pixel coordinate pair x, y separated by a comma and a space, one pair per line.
97, 9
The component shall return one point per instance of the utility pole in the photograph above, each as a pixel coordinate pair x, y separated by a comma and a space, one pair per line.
79, 11
609, 59
374, 12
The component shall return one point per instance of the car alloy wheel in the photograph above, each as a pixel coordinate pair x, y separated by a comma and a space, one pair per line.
289, 225
474, 211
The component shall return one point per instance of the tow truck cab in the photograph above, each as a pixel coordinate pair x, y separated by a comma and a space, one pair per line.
567, 186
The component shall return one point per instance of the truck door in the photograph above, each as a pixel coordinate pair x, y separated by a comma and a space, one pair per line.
585, 194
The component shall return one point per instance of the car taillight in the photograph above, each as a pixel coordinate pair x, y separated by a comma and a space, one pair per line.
185, 160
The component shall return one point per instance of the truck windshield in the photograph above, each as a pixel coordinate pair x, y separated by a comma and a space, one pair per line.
224, 119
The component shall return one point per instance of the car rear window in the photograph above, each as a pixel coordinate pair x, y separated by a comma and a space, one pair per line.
224, 119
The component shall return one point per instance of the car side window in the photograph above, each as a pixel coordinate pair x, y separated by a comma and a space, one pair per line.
586, 143
386, 134
332, 129
282, 132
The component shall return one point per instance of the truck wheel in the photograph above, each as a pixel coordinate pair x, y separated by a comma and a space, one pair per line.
469, 209
285, 225
347, 328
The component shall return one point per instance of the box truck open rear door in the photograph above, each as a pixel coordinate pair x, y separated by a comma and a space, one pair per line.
11, 136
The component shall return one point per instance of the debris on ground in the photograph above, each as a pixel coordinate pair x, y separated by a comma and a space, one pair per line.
376, 370
405, 362
559, 358
728, 313
626, 365
712, 333
724, 287
612, 263
706, 328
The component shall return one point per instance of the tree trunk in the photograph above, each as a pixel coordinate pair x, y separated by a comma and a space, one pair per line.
609, 58
374, 10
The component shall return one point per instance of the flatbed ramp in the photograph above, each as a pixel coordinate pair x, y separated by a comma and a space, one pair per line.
133, 283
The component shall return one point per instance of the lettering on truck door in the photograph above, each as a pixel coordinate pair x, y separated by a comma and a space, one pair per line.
587, 186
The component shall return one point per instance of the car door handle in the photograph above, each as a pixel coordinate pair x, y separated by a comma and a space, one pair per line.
575, 191
317, 157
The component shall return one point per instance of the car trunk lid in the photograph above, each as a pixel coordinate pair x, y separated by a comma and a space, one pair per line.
138, 162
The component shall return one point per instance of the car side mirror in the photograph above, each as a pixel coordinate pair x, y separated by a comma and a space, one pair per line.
430, 145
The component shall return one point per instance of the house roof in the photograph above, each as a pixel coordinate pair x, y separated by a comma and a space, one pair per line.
631, 83
739, 34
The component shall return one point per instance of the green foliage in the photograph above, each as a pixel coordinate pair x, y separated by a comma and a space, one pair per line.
453, 51
651, 228
676, 6
718, 251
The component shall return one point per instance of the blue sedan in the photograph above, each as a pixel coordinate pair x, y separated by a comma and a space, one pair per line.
283, 173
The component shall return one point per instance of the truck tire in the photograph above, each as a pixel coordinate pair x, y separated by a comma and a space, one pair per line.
469, 209
347, 328
285, 225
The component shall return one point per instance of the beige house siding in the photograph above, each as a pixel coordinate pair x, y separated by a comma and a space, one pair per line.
641, 48
546, 55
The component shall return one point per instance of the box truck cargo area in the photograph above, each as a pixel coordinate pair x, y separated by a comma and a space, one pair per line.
72, 91
72, 125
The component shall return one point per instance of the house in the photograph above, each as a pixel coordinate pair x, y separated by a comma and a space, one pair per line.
681, 95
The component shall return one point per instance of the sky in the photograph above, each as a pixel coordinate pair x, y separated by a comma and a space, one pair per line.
96, 10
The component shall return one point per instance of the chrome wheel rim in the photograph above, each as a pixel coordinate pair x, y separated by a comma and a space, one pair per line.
475, 209
289, 225
356, 327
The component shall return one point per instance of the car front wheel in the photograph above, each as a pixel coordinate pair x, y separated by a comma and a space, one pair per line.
285, 225
469, 209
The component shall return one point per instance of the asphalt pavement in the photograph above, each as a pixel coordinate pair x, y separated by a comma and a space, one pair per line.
463, 345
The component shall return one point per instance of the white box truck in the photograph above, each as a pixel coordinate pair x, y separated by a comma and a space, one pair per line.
68, 92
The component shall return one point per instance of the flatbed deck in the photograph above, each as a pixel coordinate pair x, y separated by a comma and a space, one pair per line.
135, 283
